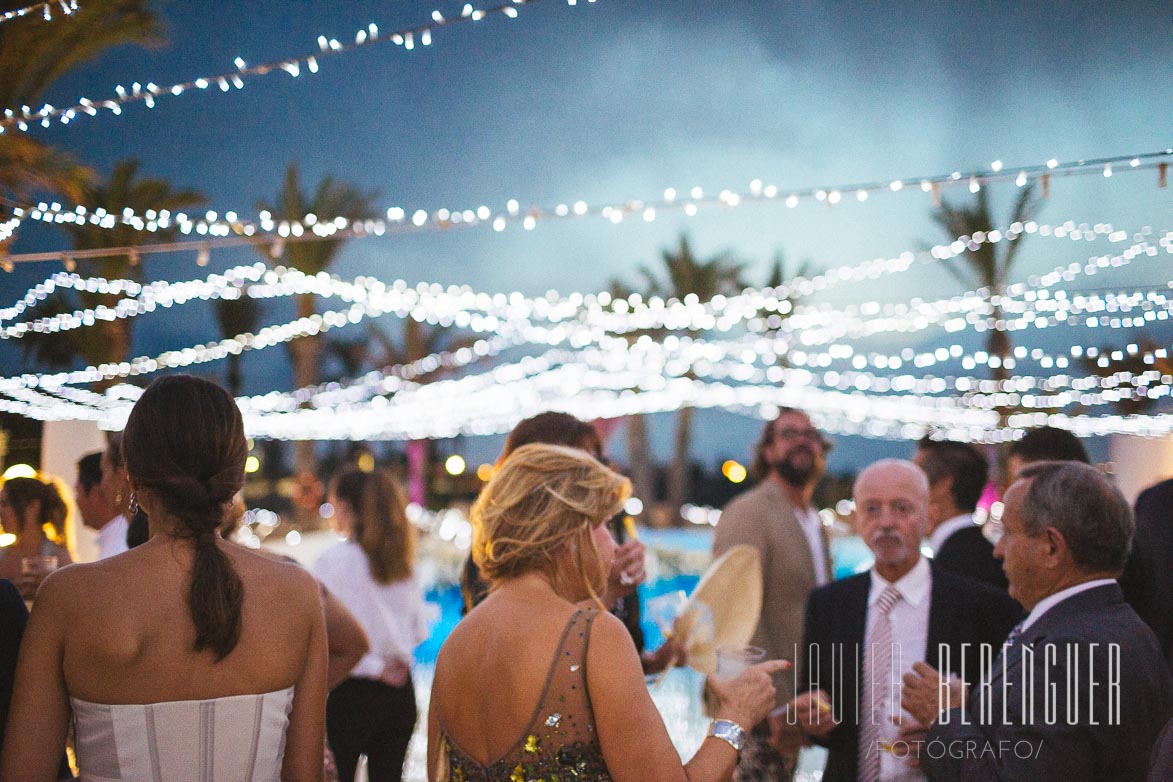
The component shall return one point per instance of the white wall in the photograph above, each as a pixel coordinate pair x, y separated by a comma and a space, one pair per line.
1139, 462
62, 444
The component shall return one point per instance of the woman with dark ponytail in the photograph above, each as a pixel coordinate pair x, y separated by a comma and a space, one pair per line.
373, 712
186, 657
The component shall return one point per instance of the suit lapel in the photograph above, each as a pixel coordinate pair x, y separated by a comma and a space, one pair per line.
1056, 617
942, 625
856, 619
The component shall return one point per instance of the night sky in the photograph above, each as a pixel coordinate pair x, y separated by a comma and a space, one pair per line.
618, 100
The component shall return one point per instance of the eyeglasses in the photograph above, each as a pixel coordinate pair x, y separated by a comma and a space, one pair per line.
810, 433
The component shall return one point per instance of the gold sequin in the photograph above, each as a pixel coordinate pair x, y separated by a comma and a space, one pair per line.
518, 774
531, 744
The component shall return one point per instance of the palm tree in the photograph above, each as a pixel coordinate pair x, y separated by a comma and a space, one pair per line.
105, 341
330, 200
775, 279
418, 340
237, 316
640, 467
1133, 400
33, 55
989, 264
685, 274
109, 341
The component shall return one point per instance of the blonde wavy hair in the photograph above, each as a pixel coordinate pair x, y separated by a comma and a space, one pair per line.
543, 502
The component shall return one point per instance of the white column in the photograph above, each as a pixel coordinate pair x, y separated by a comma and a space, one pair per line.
62, 444
1139, 462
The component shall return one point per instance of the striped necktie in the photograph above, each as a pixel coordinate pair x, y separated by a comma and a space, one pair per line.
877, 675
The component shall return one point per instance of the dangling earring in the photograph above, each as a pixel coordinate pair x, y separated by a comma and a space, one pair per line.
133, 503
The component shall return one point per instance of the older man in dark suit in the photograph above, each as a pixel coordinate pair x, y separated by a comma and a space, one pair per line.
863, 632
1081, 690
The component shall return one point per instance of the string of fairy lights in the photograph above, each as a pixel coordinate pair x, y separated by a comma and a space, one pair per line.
452, 306
43, 10
601, 356
771, 375
149, 93
598, 383
230, 229
575, 320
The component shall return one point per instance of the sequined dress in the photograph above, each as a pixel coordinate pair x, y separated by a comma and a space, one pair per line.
559, 743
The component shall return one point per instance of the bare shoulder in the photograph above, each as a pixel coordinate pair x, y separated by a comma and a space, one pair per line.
278, 574
82, 582
610, 639
65, 586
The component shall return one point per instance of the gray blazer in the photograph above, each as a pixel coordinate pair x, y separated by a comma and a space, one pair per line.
764, 518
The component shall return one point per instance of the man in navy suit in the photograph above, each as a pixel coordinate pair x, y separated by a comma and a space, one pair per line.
958, 473
1147, 580
864, 632
1081, 690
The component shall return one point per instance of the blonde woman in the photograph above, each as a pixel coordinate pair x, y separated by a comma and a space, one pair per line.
538, 682
373, 712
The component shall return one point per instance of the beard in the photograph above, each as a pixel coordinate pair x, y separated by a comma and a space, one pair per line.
797, 472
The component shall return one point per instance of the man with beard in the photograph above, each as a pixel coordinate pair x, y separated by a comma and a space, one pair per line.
777, 518
864, 632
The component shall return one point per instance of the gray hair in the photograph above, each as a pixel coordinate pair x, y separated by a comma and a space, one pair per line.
1083, 505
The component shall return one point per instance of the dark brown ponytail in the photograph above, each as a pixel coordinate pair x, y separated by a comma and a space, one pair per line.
185, 443
380, 525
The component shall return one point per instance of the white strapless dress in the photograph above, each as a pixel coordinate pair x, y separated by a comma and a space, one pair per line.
240, 738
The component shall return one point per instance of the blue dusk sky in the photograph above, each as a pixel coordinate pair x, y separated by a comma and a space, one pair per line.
620, 99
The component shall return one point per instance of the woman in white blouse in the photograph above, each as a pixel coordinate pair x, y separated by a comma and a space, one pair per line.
373, 712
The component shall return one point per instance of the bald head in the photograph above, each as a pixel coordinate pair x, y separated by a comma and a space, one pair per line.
912, 478
891, 506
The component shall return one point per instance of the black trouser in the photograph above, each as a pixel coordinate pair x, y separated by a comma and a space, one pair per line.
367, 717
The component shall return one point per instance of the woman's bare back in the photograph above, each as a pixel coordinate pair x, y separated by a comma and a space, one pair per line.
128, 635
492, 670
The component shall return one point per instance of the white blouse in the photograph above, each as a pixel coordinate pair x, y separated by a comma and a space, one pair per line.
395, 617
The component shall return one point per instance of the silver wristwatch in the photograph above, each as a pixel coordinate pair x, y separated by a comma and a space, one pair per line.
728, 731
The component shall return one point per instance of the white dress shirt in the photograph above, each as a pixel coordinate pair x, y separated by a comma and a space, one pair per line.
1050, 601
946, 528
812, 525
394, 616
112, 537
910, 636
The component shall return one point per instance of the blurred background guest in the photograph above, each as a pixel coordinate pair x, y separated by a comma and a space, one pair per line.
35, 512
1044, 444
958, 473
97, 511
13, 618
373, 711
1147, 580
